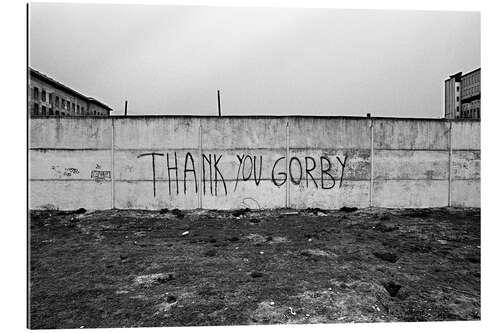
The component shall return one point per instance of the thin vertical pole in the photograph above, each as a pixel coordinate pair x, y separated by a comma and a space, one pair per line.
287, 158
218, 102
450, 162
371, 162
112, 163
126, 105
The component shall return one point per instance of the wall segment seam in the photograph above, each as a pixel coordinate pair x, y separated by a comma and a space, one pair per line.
450, 162
371, 163
287, 160
112, 163
200, 166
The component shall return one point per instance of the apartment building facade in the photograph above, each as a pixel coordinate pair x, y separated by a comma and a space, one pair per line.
463, 95
48, 97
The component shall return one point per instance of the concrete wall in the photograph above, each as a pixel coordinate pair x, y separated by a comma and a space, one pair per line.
256, 162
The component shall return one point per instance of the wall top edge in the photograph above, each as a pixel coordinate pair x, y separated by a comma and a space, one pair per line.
254, 117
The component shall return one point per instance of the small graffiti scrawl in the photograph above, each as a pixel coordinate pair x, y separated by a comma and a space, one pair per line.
68, 172
100, 175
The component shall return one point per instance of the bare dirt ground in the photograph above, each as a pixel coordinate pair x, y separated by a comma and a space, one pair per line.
141, 268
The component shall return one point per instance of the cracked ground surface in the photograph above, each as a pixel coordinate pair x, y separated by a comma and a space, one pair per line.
143, 268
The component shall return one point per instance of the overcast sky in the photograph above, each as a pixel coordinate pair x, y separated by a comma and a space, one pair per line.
266, 61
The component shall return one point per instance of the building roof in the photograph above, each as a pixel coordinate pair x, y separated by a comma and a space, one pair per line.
458, 76
473, 71
67, 89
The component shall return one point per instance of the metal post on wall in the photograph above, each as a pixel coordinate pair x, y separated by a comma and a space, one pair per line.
126, 105
218, 102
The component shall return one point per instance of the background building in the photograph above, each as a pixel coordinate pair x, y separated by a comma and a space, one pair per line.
48, 97
462, 95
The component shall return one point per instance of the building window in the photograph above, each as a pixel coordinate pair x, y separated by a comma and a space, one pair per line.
57, 112
458, 88
51, 111
44, 110
73, 107
57, 101
458, 99
35, 93
50, 98
44, 95
35, 108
